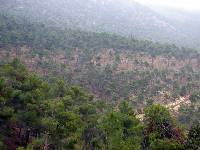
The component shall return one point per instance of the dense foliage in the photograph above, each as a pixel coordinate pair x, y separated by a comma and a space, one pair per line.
54, 115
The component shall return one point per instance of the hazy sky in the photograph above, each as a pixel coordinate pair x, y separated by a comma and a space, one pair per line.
184, 4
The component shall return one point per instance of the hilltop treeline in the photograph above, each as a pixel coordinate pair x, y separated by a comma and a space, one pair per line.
16, 31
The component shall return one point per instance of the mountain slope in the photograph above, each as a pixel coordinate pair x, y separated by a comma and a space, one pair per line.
110, 66
187, 22
121, 17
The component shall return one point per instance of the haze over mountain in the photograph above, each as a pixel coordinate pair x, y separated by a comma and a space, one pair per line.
186, 20
187, 5
127, 18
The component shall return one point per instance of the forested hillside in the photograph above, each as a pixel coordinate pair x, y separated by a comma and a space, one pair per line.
112, 67
135, 94
40, 115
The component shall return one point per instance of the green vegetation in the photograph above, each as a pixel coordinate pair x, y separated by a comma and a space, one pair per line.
38, 115
49, 110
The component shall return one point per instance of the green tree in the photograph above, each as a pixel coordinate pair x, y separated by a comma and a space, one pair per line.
193, 140
161, 128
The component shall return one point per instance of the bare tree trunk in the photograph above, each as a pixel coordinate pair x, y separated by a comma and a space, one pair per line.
46, 142
27, 137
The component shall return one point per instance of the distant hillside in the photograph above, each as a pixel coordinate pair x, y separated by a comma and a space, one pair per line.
186, 21
121, 17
